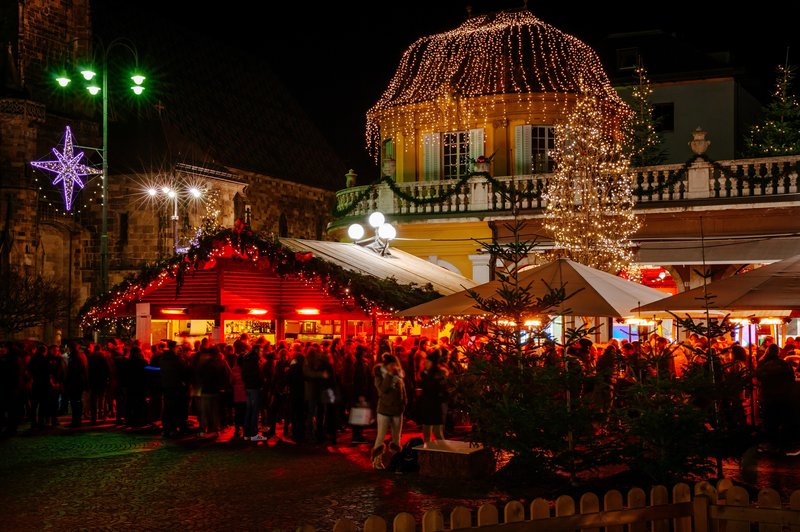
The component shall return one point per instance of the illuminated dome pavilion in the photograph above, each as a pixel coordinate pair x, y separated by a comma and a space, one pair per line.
500, 66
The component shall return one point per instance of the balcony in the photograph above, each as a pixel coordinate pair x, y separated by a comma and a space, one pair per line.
681, 185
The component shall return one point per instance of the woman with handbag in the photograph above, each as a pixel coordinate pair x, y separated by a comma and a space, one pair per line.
392, 402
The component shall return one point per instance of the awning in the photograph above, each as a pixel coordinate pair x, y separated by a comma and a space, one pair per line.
719, 251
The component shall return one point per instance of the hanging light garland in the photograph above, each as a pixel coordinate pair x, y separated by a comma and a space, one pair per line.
465, 75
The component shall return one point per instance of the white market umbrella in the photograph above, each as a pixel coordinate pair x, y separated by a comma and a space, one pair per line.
596, 293
775, 286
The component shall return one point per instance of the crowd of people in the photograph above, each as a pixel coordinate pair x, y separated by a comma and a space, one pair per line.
310, 389
306, 389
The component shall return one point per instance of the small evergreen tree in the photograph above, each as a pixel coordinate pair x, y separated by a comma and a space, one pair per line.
645, 143
527, 403
779, 132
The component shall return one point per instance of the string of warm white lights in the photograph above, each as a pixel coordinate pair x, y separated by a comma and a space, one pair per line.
465, 75
590, 196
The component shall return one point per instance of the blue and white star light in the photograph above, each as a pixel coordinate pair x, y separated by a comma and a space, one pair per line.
68, 169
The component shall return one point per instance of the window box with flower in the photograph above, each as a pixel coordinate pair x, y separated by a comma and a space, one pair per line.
481, 163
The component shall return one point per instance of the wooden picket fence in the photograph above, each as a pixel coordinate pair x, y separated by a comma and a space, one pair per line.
724, 508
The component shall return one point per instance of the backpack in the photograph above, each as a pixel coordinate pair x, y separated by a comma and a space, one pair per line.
407, 460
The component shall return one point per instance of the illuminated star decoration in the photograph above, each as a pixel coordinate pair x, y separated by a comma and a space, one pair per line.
68, 169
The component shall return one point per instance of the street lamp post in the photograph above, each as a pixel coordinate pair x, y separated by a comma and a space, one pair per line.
104, 193
172, 194
88, 74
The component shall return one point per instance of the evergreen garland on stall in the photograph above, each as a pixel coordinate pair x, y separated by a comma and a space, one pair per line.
353, 289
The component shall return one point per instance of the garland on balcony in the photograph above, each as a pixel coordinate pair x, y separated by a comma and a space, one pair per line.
352, 289
682, 173
451, 189
534, 193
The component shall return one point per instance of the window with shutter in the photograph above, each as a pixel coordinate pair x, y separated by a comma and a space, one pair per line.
476, 143
533, 147
542, 145
522, 150
431, 156
455, 154
388, 149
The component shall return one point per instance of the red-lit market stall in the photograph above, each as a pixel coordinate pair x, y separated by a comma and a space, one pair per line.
294, 289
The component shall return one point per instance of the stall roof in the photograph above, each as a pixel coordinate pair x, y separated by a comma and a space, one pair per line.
218, 273
404, 267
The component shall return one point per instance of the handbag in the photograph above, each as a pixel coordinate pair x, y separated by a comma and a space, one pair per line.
360, 416
327, 396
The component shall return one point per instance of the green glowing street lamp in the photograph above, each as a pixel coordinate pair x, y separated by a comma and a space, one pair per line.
90, 75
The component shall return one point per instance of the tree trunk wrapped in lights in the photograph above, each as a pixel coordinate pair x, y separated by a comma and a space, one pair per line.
590, 196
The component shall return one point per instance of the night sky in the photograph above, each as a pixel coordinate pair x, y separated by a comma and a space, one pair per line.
336, 58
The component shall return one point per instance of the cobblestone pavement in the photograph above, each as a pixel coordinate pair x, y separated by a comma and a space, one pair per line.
117, 479
108, 478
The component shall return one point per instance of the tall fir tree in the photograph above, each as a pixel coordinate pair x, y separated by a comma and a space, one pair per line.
779, 132
645, 143
590, 196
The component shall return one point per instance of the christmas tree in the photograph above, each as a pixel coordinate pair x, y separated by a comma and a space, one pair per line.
779, 133
589, 198
645, 144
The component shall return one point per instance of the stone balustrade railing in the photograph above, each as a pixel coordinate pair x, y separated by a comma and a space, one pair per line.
700, 180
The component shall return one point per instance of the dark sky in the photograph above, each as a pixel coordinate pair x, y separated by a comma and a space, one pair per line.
336, 58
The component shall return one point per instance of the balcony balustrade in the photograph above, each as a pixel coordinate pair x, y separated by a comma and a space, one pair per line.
701, 182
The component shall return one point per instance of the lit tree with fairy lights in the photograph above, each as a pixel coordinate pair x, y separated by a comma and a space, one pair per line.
779, 133
645, 143
589, 198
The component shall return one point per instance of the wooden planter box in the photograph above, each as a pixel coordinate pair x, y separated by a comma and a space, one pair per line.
455, 459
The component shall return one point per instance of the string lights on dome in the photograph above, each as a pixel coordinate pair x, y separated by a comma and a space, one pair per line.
463, 76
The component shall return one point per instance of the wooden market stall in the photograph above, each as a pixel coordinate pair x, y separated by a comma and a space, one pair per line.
282, 289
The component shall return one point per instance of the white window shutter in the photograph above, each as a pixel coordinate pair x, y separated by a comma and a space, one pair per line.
476, 147
522, 149
388, 149
432, 156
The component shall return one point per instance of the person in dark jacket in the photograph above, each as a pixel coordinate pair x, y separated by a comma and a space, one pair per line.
77, 382
430, 412
99, 376
137, 388
777, 381
253, 377
122, 375
12, 370
327, 412
174, 390
41, 387
58, 372
214, 379
280, 392
296, 384
391, 405
361, 389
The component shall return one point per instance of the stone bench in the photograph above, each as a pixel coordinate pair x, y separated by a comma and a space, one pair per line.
455, 459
